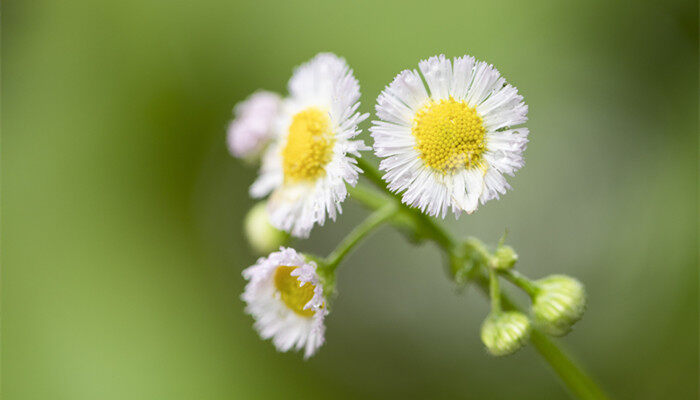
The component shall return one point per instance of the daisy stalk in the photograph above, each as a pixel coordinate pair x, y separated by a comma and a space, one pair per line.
494, 291
361, 231
467, 259
328, 265
520, 281
448, 134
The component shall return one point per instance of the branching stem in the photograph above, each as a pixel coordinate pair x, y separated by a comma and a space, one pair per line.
520, 281
574, 378
494, 292
378, 217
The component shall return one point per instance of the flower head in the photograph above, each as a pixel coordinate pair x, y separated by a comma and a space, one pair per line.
262, 237
504, 333
447, 147
306, 169
285, 296
504, 257
559, 303
251, 129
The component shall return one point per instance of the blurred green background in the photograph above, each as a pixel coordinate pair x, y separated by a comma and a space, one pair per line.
121, 220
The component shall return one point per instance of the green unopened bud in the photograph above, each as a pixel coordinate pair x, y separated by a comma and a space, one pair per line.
504, 333
504, 257
559, 303
262, 236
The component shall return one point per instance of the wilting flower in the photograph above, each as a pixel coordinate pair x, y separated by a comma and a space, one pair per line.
285, 296
252, 128
449, 147
306, 169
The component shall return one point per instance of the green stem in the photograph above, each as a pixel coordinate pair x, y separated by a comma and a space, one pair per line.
573, 376
373, 174
382, 214
478, 249
520, 281
374, 200
494, 292
422, 223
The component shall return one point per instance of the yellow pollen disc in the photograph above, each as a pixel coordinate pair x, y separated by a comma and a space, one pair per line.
449, 135
309, 146
294, 296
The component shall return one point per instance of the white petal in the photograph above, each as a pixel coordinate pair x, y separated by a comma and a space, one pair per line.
273, 319
325, 82
437, 71
481, 86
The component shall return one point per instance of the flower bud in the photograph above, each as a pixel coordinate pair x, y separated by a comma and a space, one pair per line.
504, 257
504, 333
262, 236
560, 302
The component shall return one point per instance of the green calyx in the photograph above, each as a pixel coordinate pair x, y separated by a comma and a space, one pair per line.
262, 236
504, 258
559, 303
505, 333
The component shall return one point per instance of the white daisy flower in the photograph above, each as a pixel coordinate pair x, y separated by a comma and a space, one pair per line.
251, 129
307, 167
285, 296
449, 145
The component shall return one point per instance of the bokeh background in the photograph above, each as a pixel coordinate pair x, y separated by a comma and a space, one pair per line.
121, 221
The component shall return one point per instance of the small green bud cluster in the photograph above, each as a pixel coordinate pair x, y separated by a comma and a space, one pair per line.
504, 258
504, 333
558, 304
262, 236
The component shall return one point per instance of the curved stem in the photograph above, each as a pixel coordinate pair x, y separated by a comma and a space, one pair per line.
520, 281
374, 201
479, 250
423, 224
573, 376
368, 225
494, 292
373, 174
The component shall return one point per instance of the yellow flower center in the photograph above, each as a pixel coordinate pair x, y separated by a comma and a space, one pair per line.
293, 295
309, 146
449, 135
